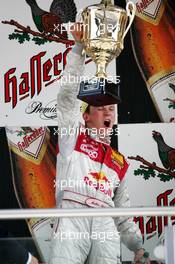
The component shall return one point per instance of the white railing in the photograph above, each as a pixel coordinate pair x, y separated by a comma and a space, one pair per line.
114, 212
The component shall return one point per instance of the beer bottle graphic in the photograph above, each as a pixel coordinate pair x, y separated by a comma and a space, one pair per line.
153, 41
33, 162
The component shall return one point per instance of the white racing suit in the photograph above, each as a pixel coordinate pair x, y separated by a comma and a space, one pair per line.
89, 174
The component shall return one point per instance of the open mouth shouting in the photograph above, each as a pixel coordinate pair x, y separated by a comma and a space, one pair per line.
107, 123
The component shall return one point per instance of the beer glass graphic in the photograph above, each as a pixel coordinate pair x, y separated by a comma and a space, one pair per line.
33, 162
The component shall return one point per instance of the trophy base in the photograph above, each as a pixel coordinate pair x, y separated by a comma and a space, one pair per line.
99, 92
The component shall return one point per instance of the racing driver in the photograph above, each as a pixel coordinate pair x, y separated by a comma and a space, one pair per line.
96, 177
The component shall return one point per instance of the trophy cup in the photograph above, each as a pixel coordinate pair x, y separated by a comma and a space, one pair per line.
104, 30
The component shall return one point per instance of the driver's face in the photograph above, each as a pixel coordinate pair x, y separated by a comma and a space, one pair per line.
100, 117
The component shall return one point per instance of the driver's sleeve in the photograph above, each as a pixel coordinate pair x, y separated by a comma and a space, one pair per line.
68, 106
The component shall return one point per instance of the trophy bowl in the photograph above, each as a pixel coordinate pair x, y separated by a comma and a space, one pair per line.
104, 30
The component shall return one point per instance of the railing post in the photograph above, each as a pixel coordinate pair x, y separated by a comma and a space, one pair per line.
170, 244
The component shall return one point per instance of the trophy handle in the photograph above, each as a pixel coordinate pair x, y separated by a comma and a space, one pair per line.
79, 16
131, 14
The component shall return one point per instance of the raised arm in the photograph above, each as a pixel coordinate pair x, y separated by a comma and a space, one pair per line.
68, 106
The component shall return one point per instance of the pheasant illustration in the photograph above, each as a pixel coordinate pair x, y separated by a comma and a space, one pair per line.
51, 22
166, 153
